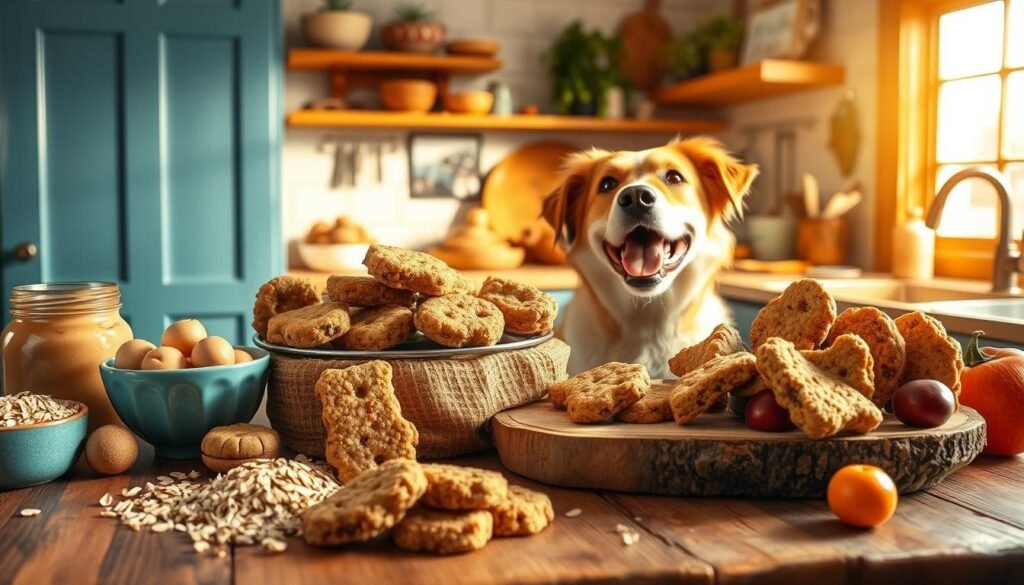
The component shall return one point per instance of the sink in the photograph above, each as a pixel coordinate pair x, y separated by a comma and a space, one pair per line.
1003, 309
871, 290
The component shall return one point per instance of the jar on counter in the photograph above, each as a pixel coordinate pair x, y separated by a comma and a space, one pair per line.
58, 336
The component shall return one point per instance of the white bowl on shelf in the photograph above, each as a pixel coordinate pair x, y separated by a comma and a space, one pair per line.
333, 257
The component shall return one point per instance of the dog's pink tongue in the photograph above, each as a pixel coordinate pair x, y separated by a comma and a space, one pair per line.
641, 259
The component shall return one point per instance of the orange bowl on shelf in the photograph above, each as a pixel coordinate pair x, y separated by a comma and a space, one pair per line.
476, 47
408, 95
469, 102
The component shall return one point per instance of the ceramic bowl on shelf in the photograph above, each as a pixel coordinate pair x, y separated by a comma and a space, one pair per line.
469, 102
408, 95
413, 36
333, 257
174, 409
344, 30
474, 47
41, 452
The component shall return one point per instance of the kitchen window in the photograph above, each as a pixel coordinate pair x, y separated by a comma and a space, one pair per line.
959, 86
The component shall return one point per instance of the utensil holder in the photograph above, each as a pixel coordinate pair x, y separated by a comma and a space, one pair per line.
821, 241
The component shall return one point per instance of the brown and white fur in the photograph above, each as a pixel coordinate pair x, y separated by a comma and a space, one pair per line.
646, 231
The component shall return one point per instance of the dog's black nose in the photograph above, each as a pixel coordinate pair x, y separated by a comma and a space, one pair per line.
637, 199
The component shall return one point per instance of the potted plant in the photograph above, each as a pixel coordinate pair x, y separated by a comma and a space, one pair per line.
723, 35
583, 66
413, 31
336, 26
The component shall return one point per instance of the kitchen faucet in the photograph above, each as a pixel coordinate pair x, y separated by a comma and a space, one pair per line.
1008, 260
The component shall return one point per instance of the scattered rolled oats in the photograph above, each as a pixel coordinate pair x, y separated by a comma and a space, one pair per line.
28, 512
573, 513
629, 535
26, 408
106, 500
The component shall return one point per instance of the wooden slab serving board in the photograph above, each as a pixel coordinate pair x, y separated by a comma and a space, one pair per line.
717, 455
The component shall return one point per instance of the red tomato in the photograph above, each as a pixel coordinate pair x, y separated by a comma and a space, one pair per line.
764, 414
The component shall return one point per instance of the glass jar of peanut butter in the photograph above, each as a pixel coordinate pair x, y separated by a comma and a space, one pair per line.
58, 336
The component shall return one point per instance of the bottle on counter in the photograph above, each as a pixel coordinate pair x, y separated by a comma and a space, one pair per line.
913, 248
58, 336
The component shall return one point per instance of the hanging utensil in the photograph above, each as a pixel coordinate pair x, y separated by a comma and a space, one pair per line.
812, 200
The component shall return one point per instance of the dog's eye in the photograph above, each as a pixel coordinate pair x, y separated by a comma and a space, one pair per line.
674, 177
607, 184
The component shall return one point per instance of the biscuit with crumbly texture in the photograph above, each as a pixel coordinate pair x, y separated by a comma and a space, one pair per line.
527, 309
522, 513
367, 506
378, 328
848, 360
415, 271
602, 392
803, 314
931, 353
310, 326
280, 295
818, 404
724, 339
363, 419
443, 532
888, 349
364, 291
453, 487
460, 321
652, 408
696, 392
226, 447
754, 386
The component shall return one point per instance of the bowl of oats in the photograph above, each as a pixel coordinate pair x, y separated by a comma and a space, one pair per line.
40, 438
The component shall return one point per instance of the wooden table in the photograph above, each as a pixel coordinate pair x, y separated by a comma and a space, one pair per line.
969, 529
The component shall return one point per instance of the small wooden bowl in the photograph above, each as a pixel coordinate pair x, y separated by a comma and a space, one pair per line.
475, 47
469, 102
408, 95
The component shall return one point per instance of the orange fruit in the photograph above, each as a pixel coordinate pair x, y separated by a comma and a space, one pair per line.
862, 495
993, 384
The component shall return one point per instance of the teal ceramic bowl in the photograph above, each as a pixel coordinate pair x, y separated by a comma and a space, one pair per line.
174, 409
42, 452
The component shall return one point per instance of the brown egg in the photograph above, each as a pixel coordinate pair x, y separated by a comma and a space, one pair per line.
184, 335
164, 358
242, 356
111, 450
213, 351
129, 355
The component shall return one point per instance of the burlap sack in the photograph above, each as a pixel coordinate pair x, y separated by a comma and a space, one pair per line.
450, 401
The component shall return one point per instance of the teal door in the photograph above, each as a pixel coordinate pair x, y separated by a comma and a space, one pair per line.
140, 144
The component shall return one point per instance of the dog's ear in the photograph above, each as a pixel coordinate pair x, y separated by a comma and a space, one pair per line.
564, 208
726, 180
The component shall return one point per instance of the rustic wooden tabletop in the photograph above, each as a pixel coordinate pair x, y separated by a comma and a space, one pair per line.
969, 529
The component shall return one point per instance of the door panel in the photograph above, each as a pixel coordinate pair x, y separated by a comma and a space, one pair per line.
139, 143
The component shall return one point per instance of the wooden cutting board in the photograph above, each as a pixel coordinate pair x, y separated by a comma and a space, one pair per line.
717, 455
644, 35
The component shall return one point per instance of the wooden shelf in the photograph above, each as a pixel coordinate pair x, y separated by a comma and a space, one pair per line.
448, 121
769, 78
389, 61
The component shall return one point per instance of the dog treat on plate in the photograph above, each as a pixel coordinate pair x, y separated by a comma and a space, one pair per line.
931, 353
227, 447
888, 349
378, 328
848, 360
310, 326
725, 339
367, 506
527, 310
280, 295
451, 487
818, 404
755, 385
364, 291
363, 419
443, 532
522, 513
696, 392
415, 271
652, 408
460, 321
803, 314
602, 392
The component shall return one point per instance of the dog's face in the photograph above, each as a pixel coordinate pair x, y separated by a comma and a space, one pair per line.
645, 213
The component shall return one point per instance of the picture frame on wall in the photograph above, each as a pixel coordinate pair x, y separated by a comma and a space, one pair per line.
444, 166
780, 29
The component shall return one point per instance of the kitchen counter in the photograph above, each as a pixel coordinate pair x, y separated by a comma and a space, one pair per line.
970, 529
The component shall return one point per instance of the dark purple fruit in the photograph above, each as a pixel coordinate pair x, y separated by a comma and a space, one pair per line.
764, 414
923, 403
